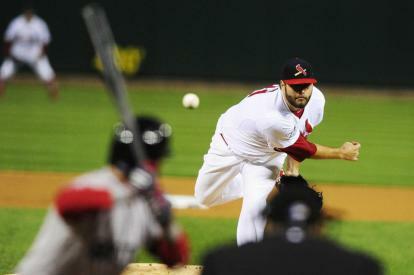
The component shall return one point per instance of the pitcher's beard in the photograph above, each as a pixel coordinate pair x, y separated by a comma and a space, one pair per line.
297, 103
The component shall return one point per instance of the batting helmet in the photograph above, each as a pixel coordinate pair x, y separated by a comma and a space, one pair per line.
154, 137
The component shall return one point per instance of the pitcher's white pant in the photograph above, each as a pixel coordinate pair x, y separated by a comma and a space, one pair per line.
41, 67
225, 177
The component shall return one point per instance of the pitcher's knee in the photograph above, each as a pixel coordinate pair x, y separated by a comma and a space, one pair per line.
203, 198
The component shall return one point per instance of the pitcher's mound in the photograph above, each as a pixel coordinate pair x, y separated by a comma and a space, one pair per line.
161, 269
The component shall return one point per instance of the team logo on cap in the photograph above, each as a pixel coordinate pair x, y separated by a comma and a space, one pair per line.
300, 70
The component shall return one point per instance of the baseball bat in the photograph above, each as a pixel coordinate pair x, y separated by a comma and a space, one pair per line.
104, 43
105, 47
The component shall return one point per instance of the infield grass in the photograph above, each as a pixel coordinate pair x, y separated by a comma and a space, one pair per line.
72, 135
390, 242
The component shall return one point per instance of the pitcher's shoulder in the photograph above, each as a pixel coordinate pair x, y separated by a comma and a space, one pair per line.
318, 95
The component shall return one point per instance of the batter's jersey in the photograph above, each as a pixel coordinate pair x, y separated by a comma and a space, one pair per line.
27, 37
262, 123
58, 250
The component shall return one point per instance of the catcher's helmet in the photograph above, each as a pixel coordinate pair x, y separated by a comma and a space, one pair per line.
154, 138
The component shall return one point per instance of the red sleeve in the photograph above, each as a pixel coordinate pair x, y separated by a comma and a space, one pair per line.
300, 150
172, 251
72, 202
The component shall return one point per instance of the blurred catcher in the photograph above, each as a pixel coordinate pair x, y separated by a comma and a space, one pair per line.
101, 219
293, 242
25, 43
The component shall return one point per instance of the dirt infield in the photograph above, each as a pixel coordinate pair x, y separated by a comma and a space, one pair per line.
36, 190
160, 269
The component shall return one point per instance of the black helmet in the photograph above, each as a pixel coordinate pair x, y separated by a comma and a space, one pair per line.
154, 138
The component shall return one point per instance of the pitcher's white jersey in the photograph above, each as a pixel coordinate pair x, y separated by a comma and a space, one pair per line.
246, 153
262, 122
27, 38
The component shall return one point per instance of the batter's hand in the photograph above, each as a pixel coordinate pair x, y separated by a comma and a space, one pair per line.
146, 184
173, 249
350, 150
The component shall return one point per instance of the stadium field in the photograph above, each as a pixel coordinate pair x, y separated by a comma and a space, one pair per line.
72, 136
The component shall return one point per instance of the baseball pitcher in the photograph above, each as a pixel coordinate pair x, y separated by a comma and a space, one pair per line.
253, 140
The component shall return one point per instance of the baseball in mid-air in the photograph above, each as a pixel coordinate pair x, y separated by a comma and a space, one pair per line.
191, 101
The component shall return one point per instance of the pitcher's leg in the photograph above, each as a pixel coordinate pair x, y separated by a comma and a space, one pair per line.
219, 178
258, 181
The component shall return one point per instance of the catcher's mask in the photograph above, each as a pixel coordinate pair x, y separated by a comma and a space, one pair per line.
154, 137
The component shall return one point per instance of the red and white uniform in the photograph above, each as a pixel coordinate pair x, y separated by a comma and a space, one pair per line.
59, 250
28, 39
248, 149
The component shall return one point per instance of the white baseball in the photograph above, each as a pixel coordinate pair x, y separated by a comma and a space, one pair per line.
191, 101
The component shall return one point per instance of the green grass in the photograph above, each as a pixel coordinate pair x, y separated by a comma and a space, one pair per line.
383, 125
390, 242
17, 229
204, 234
73, 134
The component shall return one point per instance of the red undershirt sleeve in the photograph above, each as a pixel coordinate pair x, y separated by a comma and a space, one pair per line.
300, 150
71, 202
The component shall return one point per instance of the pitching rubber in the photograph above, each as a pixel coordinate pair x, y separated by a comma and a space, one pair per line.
161, 269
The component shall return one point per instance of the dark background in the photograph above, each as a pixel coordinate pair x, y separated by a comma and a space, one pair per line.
349, 42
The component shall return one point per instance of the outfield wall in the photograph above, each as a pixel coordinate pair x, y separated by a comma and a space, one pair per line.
354, 42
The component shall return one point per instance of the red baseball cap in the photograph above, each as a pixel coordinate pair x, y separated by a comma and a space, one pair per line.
298, 71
